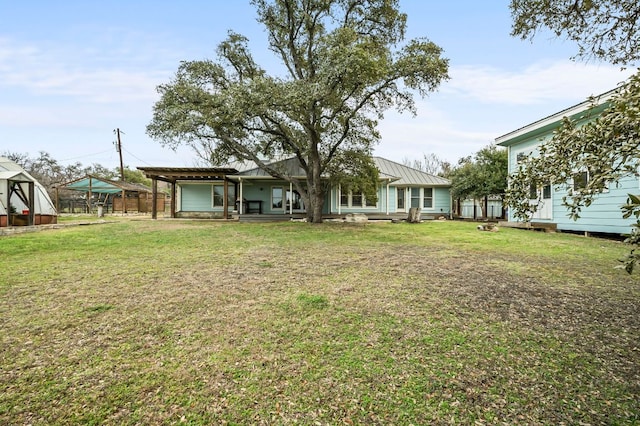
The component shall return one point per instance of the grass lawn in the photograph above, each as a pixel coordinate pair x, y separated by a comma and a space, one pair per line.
163, 322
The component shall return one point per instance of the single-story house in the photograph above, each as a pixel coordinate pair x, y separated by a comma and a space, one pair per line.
23, 200
245, 189
603, 215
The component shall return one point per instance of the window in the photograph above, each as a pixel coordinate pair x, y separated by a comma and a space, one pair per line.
354, 199
415, 197
368, 203
580, 180
276, 197
400, 196
533, 192
344, 199
421, 197
546, 192
218, 195
294, 200
427, 199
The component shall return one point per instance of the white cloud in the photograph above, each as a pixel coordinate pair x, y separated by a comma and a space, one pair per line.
480, 103
538, 83
51, 71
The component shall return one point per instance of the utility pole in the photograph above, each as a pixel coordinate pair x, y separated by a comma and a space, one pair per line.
124, 193
119, 149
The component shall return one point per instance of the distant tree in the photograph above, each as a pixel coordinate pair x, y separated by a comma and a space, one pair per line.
50, 173
21, 159
430, 163
98, 170
607, 146
346, 62
481, 176
135, 176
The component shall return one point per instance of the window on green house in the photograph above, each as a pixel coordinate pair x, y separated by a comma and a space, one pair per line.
277, 194
427, 199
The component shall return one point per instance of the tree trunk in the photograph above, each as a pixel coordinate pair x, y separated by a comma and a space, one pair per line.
315, 190
414, 215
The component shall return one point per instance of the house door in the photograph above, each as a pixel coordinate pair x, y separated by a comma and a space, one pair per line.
401, 200
294, 202
545, 206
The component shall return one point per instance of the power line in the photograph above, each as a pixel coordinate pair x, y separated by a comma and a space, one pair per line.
139, 159
85, 156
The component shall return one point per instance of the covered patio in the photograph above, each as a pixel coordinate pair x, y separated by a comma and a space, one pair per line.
173, 175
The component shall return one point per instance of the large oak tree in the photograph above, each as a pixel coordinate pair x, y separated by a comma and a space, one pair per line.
345, 63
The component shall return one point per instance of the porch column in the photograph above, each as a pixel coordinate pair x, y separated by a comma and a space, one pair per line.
173, 200
291, 200
339, 199
240, 199
154, 198
388, 197
225, 202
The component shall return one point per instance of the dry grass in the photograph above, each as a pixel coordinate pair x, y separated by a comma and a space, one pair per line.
174, 321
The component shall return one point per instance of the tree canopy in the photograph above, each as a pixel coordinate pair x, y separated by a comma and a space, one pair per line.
346, 62
607, 145
430, 163
480, 176
601, 29
50, 173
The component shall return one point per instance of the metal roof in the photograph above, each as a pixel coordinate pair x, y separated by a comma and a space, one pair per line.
396, 173
103, 186
553, 120
288, 167
404, 175
173, 174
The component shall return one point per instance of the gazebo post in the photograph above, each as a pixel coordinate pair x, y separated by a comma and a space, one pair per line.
154, 198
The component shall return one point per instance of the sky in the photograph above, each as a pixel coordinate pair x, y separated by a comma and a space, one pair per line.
73, 71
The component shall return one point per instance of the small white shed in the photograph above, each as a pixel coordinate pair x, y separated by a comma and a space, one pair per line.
23, 200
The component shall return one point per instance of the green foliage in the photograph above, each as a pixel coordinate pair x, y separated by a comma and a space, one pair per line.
136, 176
602, 29
346, 63
632, 208
481, 176
605, 145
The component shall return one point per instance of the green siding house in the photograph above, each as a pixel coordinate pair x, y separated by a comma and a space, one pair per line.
200, 192
603, 215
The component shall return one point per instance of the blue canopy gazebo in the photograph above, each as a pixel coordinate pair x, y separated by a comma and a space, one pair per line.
122, 196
